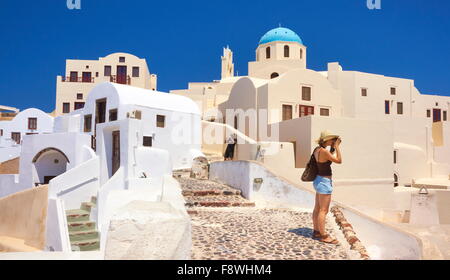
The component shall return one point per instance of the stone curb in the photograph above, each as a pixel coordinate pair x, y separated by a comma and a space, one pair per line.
349, 233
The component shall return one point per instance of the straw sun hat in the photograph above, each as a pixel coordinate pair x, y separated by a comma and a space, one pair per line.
326, 135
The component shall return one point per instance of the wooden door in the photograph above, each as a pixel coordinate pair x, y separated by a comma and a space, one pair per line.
121, 74
115, 151
436, 115
100, 111
86, 78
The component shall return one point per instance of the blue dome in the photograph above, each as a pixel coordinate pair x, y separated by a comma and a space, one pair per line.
280, 34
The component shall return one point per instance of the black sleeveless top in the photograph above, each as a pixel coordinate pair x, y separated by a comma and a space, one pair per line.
323, 168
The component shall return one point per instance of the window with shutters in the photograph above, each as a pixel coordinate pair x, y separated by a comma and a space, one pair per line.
32, 123
147, 141
135, 71
107, 70
306, 93
113, 115
160, 121
66, 108
287, 112
324, 111
363, 92
305, 110
78, 105
16, 137
399, 108
87, 123
386, 107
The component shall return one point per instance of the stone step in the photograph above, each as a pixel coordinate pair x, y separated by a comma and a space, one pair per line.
86, 245
83, 235
210, 192
81, 226
181, 173
191, 184
77, 215
87, 206
218, 201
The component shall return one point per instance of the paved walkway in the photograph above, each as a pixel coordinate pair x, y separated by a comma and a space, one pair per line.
273, 234
235, 233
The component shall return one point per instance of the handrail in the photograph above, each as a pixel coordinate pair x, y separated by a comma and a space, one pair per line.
116, 79
78, 79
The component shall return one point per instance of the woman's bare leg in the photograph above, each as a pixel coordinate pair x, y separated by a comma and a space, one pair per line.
316, 213
324, 205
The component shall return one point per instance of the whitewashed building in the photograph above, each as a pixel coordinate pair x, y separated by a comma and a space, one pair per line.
122, 146
28, 122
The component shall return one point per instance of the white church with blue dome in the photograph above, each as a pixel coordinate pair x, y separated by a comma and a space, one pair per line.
281, 45
401, 135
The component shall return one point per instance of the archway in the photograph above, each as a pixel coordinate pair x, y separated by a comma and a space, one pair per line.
48, 164
395, 180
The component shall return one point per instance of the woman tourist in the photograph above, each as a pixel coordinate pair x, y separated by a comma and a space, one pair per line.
323, 182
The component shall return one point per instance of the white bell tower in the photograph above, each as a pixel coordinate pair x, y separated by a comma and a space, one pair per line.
227, 63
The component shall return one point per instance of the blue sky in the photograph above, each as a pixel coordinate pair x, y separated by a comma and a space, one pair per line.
182, 40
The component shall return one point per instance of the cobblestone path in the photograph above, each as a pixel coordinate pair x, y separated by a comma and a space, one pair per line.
225, 226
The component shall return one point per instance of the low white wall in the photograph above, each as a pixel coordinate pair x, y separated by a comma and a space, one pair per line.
57, 236
8, 184
382, 240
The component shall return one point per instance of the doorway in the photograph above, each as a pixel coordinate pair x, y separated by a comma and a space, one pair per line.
115, 151
121, 74
100, 111
436, 115
48, 164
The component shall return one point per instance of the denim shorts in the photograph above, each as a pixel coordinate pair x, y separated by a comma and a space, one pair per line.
323, 185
